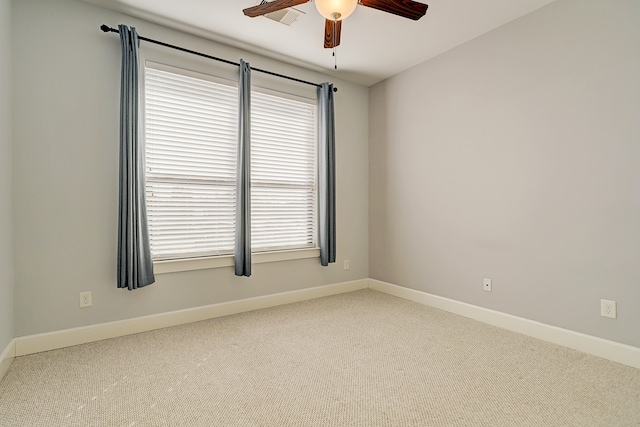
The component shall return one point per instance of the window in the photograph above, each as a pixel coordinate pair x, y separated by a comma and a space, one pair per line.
191, 140
283, 173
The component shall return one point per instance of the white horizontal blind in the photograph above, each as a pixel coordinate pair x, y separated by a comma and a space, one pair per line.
283, 173
191, 142
190, 136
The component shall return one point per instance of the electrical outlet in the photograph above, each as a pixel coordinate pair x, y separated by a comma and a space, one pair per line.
346, 264
486, 285
85, 299
608, 308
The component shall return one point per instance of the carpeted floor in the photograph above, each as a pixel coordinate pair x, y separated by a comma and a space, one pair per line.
357, 359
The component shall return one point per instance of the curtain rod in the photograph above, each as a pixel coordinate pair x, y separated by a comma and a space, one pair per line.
108, 29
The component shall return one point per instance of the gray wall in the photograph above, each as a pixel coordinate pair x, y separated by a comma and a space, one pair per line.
516, 157
6, 202
66, 75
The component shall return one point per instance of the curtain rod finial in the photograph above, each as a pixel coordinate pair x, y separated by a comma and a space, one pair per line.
105, 28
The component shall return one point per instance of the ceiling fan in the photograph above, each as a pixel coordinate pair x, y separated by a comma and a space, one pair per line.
334, 11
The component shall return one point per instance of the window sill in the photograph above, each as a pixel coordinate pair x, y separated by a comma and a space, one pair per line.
174, 266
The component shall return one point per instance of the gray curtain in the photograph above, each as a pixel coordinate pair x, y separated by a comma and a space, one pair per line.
327, 175
135, 268
243, 182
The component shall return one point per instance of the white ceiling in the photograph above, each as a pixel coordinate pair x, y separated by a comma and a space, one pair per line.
374, 45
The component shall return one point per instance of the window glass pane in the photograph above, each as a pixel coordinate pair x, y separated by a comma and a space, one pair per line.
283, 173
190, 136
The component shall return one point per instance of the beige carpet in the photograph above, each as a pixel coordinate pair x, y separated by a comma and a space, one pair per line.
357, 359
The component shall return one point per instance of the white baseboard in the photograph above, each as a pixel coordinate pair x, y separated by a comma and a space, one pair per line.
68, 337
611, 350
6, 358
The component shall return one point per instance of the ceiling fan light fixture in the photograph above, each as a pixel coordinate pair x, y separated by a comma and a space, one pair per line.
336, 10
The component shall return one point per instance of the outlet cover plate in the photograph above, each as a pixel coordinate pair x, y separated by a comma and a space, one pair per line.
85, 299
486, 285
608, 308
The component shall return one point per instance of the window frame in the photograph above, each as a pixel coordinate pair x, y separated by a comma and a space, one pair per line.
162, 266
296, 98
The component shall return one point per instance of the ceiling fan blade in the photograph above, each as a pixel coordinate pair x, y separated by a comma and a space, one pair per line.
272, 6
332, 33
405, 8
